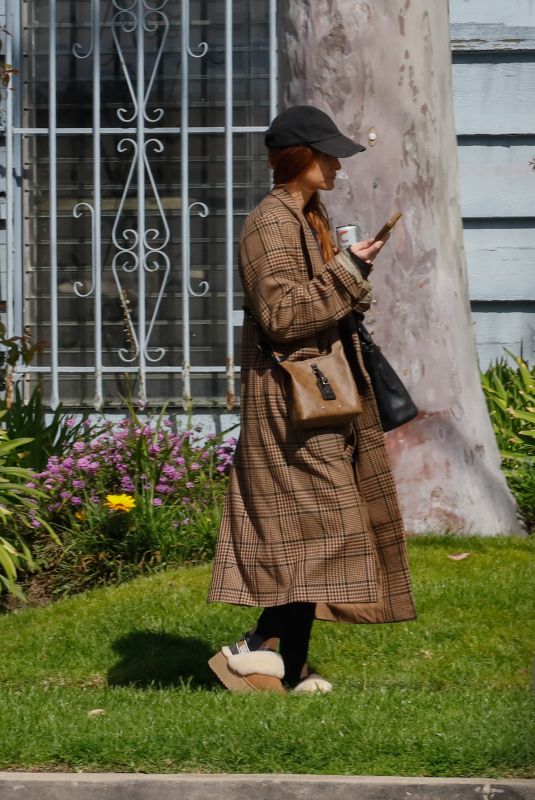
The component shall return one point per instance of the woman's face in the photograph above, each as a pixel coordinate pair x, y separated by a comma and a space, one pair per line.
321, 174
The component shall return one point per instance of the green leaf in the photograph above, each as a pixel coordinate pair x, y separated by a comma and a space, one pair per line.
528, 416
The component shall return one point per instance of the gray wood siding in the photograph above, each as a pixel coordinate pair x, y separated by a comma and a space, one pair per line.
493, 54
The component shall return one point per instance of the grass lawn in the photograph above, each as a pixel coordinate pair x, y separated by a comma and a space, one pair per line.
447, 694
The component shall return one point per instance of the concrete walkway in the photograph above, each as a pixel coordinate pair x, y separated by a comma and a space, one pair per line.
128, 786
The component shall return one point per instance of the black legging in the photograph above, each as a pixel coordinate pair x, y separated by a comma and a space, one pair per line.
292, 625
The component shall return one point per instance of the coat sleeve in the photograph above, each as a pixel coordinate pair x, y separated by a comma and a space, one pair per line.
286, 307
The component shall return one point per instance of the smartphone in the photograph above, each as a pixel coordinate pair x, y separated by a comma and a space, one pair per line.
387, 227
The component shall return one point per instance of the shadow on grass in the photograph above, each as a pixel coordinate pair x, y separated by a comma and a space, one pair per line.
149, 659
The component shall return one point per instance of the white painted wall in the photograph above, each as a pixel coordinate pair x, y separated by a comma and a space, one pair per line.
512, 13
493, 46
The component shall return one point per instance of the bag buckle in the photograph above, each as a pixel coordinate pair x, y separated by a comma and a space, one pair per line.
323, 383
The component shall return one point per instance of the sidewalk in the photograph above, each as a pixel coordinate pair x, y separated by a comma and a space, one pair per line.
128, 786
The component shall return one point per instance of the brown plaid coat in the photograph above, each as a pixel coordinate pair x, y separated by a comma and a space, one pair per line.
301, 521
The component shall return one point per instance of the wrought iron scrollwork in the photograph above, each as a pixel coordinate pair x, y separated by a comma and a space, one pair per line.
126, 20
202, 212
77, 212
143, 249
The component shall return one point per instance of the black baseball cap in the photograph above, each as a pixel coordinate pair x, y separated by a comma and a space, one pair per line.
308, 125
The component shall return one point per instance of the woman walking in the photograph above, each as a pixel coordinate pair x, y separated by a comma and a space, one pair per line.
311, 527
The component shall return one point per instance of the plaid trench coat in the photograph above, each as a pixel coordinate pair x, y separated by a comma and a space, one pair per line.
310, 515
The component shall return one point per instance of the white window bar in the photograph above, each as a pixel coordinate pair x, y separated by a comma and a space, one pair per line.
10, 184
97, 221
53, 207
141, 229
197, 51
273, 59
229, 205
95, 288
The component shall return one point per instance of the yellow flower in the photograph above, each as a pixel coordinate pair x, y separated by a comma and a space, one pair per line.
120, 502
79, 515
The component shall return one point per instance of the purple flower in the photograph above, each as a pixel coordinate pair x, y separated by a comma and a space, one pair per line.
189, 484
127, 484
157, 501
195, 466
78, 484
76, 501
52, 469
78, 446
69, 422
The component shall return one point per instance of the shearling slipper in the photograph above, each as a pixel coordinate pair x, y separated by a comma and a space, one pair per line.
313, 684
254, 671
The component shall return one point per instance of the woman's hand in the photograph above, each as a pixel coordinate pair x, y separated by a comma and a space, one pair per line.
368, 249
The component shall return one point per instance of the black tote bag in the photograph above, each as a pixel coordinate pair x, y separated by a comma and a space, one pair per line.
395, 405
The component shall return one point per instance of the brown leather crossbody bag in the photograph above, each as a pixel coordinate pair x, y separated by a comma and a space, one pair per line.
319, 391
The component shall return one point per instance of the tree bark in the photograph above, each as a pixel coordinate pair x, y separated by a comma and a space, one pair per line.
385, 67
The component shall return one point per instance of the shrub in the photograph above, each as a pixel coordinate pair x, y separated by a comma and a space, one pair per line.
17, 515
47, 435
510, 395
138, 496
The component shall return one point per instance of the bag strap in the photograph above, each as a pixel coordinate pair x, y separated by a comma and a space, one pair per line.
364, 335
264, 343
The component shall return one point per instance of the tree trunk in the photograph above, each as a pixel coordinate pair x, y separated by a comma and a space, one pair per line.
384, 68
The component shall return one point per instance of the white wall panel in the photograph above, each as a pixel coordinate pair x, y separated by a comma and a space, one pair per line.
500, 38
495, 330
497, 180
501, 262
487, 97
494, 12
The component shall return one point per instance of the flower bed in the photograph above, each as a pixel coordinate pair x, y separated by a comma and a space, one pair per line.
129, 498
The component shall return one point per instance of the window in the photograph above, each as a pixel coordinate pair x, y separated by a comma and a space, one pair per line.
135, 134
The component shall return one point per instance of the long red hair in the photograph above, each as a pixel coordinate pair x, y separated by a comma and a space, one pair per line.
289, 162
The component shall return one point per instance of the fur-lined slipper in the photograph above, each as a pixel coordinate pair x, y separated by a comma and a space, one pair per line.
255, 671
313, 684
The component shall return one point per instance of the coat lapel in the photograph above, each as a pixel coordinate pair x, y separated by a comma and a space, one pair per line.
314, 252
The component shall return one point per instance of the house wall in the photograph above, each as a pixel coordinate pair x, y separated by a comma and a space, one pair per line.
493, 53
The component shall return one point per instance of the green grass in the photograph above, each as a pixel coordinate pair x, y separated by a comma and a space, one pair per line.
447, 694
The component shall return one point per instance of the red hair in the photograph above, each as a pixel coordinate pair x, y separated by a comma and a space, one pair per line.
289, 162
